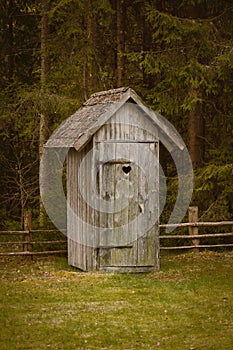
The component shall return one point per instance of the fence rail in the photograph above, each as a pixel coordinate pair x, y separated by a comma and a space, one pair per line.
193, 225
198, 224
28, 236
208, 235
28, 240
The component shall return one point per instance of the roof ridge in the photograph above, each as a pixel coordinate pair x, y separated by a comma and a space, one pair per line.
108, 96
109, 92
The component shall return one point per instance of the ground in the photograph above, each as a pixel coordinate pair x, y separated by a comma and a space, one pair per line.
188, 304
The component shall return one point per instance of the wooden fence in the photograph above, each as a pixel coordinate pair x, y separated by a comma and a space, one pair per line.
194, 235
28, 242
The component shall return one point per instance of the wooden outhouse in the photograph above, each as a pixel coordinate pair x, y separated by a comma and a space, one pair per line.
113, 182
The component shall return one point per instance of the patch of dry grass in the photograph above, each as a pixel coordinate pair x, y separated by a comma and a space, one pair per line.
46, 304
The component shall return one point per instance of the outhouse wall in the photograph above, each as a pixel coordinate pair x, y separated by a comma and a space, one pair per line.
81, 253
86, 249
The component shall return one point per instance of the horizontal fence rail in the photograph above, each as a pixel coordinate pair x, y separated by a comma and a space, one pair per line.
193, 226
208, 235
29, 241
198, 224
48, 252
197, 246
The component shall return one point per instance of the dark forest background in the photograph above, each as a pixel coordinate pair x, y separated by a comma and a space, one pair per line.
177, 55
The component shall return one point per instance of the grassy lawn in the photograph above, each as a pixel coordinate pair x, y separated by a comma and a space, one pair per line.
188, 304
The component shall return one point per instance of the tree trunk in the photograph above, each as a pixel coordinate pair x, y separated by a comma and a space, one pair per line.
44, 40
120, 41
7, 41
87, 66
44, 73
43, 130
196, 133
10, 42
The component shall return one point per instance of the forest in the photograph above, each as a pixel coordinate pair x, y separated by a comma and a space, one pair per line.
176, 54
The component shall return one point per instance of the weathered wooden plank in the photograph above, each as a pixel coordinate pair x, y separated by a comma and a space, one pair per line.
153, 210
127, 269
125, 141
75, 228
85, 185
193, 217
143, 194
88, 226
118, 246
200, 246
105, 192
102, 215
48, 231
198, 224
70, 184
13, 233
207, 235
95, 218
118, 256
134, 133
32, 242
47, 252
80, 251
27, 228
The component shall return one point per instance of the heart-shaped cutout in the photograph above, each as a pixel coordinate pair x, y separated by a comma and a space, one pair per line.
126, 169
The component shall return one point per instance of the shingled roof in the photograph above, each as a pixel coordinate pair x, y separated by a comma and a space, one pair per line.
78, 129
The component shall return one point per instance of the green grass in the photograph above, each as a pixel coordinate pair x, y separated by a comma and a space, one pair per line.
46, 304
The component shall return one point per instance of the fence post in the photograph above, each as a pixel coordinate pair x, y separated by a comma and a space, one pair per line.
193, 217
27, 237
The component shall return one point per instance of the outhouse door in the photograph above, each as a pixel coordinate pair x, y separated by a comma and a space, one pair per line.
127, 186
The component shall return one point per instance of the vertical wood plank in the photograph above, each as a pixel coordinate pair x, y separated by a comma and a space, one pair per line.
133, 210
